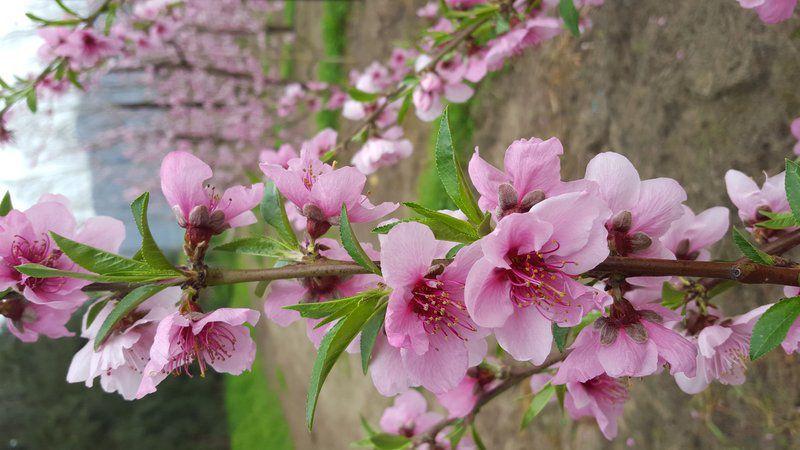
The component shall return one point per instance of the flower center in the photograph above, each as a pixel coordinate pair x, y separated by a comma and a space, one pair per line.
437, 309
607, 388
214, 343
309, 177
539, 282
41, 251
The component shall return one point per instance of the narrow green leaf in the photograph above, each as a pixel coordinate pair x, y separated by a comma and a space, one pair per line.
94, 310
369, 334
561, 392
150, 251
99, 261
476, 437
261, 288
670, 297
440, 231
366, 426
778, 221
353, 247
501, 25
454, 251
274, 213
457, 434
262, 246
72, 76
773, 325
326, 308
361, 96
30, 99
401, 114
560, 337
451, 175
386, 441
125, 307
720, 288
5, 205
330, 349
792, 186
538, 403
40, 271
66, 9
566, 8
458, 226
750, 250
111, 16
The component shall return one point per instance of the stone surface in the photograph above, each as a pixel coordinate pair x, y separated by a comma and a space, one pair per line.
686, 90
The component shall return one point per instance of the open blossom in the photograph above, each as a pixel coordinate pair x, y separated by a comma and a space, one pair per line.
381, 151
409, 417
771, 11
531, 172
629, 342
323, 141
526, 34
460, 400
218, 339
319, 191
525, 280
691, 235
796, 133
427, 325
25, 239
746, 195
200, 208
722, 352
27, 320
279, 157
319, 289
85, 48
121, 359
642, 211
601, 397
445, 81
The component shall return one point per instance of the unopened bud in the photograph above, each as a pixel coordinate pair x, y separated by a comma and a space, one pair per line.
622, 221
640, 241
506, 196
530, 199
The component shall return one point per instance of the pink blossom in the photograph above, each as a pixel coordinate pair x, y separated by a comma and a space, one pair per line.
120, 361
525, 280
198, 207
629, 342
426, 318
723, 349
280, 157
771, 11
531, 172
642, 211
444, 82
429, 11
691, 235
319, 192
318, 145
54, 38
409, 415
218, 339
27, 320
25, 239
382, 150
85, 48
601, 397
746, 195
460, 400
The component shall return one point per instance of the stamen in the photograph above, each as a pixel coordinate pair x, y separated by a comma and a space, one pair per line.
537, 282
438, 311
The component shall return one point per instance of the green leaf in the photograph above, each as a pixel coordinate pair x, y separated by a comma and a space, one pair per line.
566, 8
66, 9
501, 24
150, 252
262, 246
749, 250
401, 114
366, 426
369, 334
94, 310
477, 438
773, 325
451, 174
670, 297
792, 184
5, 205
326, 308
386, 441
560, 337
72, 76
111, 15
274, 213
457, 434
30, 99
457, 226
454, 251
561, 392
261, 288
353, 247
100, 261
333, 344
720, 288
538, 403
125, 307
361, 96
40, 271
778, 221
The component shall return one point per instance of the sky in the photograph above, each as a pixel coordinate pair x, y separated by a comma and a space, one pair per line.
45, 155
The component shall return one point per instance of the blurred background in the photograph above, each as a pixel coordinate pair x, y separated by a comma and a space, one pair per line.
685, 89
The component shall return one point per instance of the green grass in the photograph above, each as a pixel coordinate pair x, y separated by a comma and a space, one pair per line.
334, 41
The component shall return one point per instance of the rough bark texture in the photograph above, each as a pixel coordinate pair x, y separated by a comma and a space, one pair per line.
685, 89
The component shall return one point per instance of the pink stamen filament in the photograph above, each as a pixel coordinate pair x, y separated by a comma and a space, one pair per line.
438, 311
532, 280
214, 343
